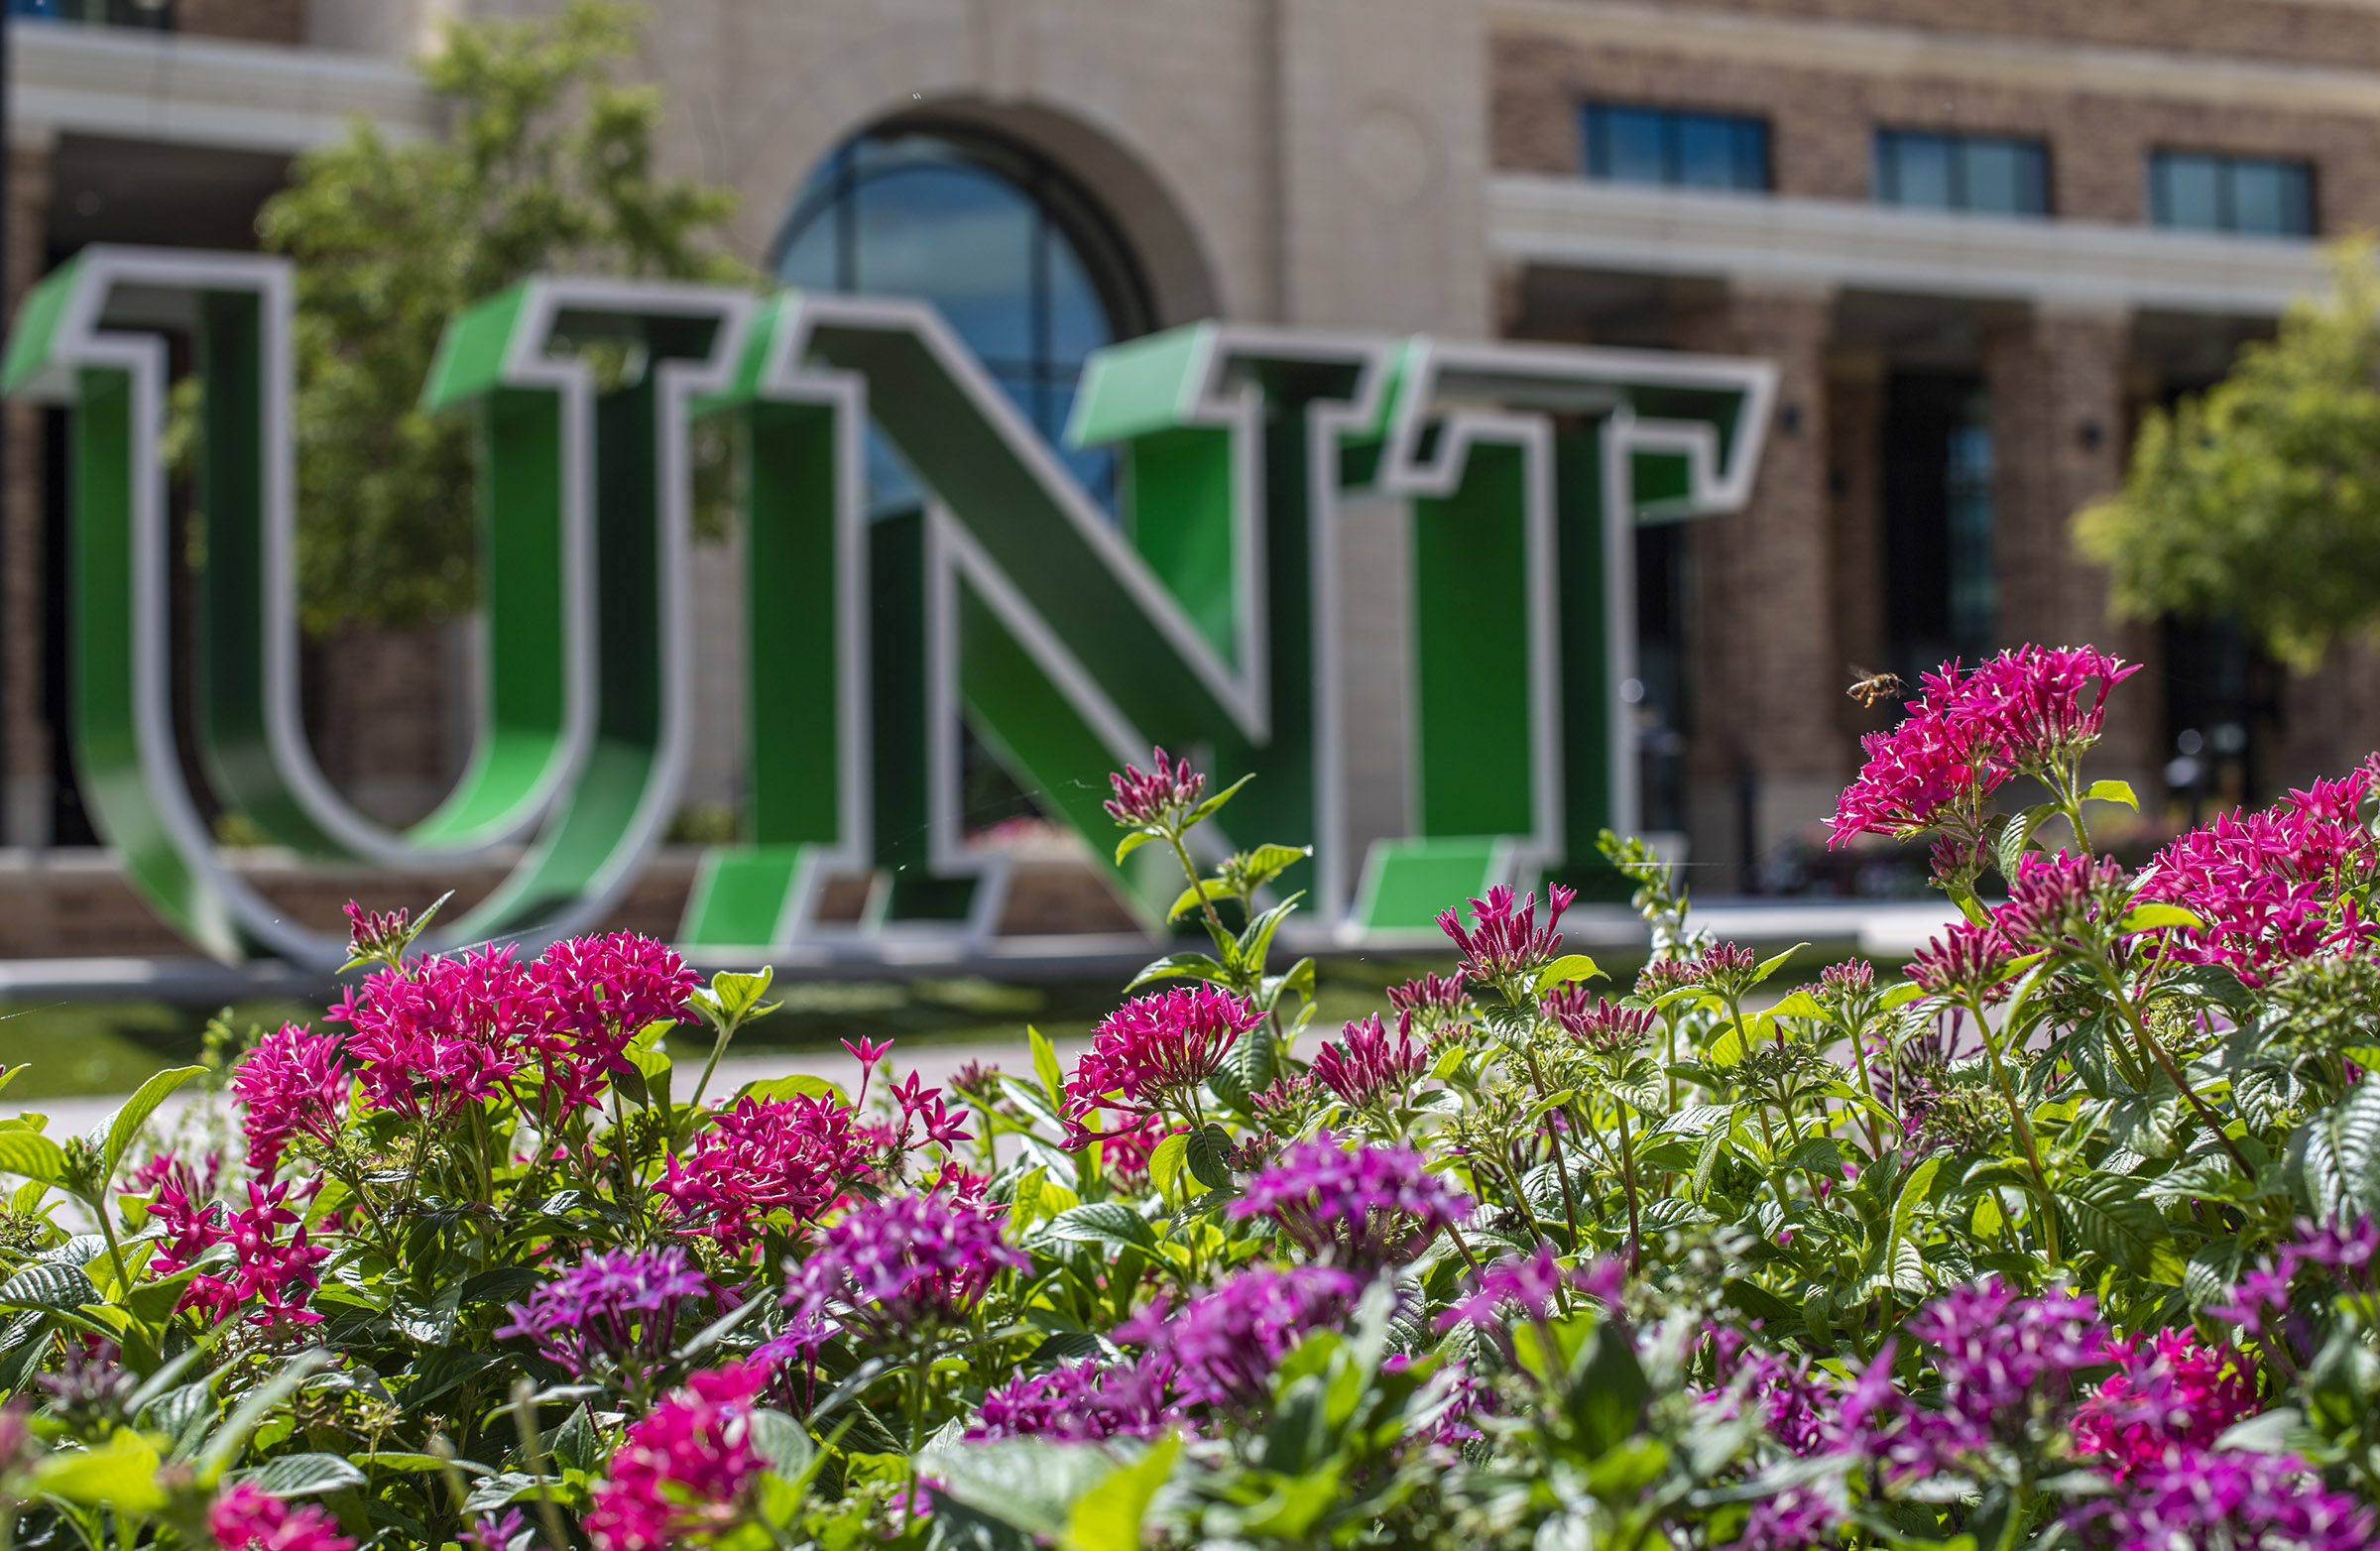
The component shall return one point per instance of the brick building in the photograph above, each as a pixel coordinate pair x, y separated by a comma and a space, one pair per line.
1977, 240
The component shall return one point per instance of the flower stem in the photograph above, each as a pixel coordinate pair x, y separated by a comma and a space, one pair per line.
2024, 1133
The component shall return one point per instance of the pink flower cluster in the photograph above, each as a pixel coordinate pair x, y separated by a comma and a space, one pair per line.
1160, 799
2263, 883
249, 1519
686, 1470
270, 1275
1082, 1402
1503, 946
293, 1084
765, 1163
1152, 1052
1365, 1069
2031, 710
1596, 1022
2168, 1392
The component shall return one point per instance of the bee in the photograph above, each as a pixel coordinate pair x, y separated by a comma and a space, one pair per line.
1867, 688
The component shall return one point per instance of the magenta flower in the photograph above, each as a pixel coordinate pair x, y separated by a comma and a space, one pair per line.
766, 1163
1153, 1052
1161, 800
2056, 899
1659, 977
293, 1084
1224, 1345
1081, 1402
380, 934
1363, 1207
899, 1268
1598, 1023
1281, 1108
2168, 1392
1967, 960
2043, 705
612, 1316
1433, 1002
246, 1518
1504, 947
686, 1471
2264, 882
271, 1276
595, 994
1996, 1355
1933, 770
443, 1035
1365, 1069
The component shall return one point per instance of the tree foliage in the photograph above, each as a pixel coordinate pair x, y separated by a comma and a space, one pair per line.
547, 164
2260, 498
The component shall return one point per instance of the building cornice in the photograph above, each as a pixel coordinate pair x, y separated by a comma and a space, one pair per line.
2073, 266
137, 86
1871, 48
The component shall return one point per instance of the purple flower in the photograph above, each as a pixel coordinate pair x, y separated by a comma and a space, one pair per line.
2000, 1357
907, 1266
1504, 947
612, 1316
1161, 800
2194, 1499
1224, 1345
1078, 1403
1365, 1069
2056, 900
1532, 1283
1431, 1000
1364, 1207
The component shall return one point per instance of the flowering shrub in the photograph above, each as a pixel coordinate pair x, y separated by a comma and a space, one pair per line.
2065, 1239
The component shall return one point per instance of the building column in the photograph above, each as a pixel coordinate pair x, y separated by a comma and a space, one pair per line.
2056, 378
1768, 758
26, 780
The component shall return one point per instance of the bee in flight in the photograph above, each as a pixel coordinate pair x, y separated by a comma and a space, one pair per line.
1867, 688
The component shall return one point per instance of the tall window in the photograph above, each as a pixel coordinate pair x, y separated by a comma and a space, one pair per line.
2255, 197
1675, 148
1989, 175
1940, 592
156, 15
1011, 251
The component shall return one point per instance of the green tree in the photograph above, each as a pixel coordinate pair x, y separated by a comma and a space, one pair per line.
547, 165
2260, 498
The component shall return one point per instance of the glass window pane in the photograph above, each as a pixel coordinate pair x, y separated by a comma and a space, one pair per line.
1632, 151
961, 239
1078, 320
2256, 198
1921, 170
2000, 176
1707, 152
1751, 154
811, 260
2184, 192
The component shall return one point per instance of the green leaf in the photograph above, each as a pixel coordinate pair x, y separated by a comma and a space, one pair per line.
2113, 791
32, 1154
1205, 1152
1180, 966
120, 1474
226, 1444
1900, 995
781, 1440
1269, 860
127, 1122
1564, 970
50, 1285
1108, 1516
1214, 805
304, 1475
1608, 1393
1256, 942
1191, 899
2149, 917
794, 1085
1799, 1004
1770, 966
576, 1444
1103, 1221
1045, 1065
1134, 842
1166, 1161
2103, 1213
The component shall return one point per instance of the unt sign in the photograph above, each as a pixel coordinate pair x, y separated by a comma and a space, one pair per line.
1205, 615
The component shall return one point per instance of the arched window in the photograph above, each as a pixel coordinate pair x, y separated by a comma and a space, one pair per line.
1014, 253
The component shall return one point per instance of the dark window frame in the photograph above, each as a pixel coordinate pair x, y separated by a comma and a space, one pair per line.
1884, 171
1592, 144
2228, 165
